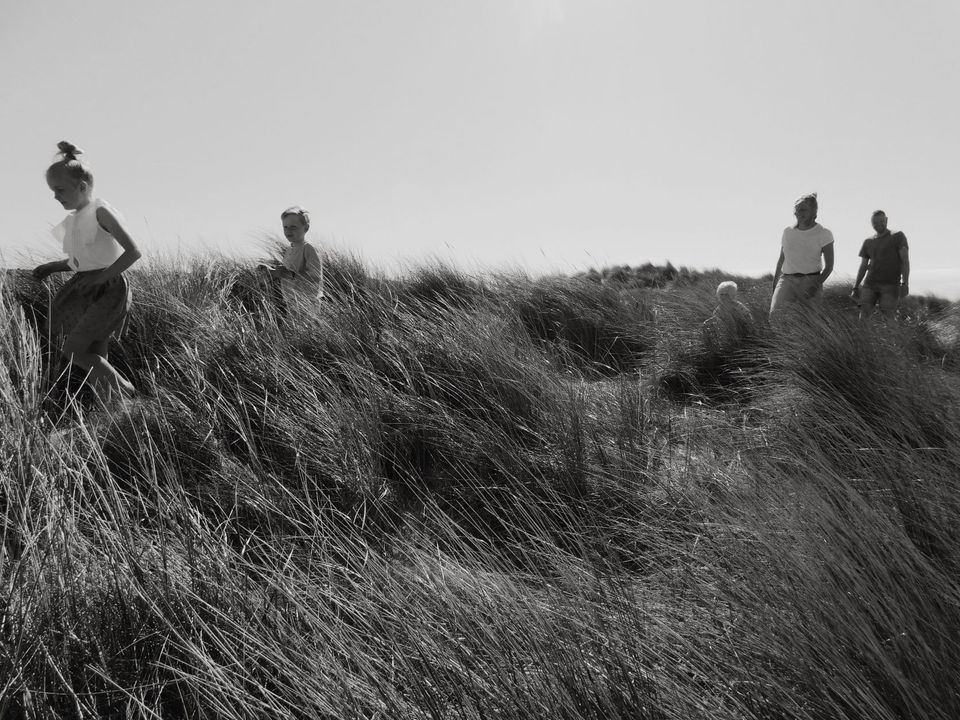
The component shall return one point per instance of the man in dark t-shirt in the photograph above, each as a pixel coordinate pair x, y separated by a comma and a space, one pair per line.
884, 270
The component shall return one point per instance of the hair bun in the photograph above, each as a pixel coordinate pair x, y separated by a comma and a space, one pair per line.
68, 150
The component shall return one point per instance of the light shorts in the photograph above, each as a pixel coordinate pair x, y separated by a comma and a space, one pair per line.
805, 289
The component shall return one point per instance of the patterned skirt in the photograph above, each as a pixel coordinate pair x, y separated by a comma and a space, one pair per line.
87, 316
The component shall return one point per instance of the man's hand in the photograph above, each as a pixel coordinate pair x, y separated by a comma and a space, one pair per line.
904, 290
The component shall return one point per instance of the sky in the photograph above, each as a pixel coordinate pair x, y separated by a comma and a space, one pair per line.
536, 135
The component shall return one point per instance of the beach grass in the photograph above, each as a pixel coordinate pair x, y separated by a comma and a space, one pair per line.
456, 495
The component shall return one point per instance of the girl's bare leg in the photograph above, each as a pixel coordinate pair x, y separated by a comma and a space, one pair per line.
101, 375
99, 347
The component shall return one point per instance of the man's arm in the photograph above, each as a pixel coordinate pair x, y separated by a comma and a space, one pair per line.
904, 269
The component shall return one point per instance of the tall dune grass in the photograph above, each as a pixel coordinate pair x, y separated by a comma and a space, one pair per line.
450, 496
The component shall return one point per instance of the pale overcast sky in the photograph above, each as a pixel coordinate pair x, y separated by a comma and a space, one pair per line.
550, 135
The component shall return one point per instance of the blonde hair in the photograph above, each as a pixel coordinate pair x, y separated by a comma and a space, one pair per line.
70, 165
299, 212
727, 287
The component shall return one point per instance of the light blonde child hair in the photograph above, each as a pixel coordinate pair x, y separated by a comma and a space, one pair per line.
728, 288
299, 212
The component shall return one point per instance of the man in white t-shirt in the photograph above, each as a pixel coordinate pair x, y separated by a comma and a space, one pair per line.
800, 275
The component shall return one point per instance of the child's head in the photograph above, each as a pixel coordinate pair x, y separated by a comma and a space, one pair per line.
296, 222
69, 177
727, 292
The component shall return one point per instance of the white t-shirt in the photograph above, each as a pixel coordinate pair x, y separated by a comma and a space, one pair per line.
802, 248
87, 245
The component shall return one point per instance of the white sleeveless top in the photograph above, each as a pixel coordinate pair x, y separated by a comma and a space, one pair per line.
87, 245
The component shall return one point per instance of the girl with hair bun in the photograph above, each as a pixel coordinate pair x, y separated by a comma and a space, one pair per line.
94, 303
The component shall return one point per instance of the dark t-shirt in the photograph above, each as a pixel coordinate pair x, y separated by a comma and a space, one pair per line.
884, 255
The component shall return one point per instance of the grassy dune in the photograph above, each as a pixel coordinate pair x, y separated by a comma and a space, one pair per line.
449, 496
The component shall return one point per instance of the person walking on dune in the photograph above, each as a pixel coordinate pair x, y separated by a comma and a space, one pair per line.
800, 275
94, 302
884, 270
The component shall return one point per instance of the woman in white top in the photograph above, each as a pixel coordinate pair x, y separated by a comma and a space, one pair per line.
94, 303
301, 270
799, 276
